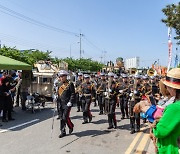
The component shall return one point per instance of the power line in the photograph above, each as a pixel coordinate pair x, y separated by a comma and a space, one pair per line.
92, 44
33, 21
22, 17
37, 13
28, 43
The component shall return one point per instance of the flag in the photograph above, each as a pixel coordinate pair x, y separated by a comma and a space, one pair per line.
169, 48
176, 61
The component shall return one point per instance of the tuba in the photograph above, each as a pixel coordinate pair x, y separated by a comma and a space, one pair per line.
151, 72
133, 71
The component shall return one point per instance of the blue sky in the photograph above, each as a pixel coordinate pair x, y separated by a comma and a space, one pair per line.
111, 29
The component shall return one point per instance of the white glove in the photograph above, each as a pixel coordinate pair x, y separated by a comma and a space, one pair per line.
105, 93
69, 104
110, 90
135, 92
131, 94
121, 91
9, 92
80, 95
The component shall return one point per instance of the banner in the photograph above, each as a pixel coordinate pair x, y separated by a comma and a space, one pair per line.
169, 48
176, 59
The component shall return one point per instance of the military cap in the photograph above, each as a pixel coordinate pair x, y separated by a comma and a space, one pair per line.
152, 77
110, 74
86, 76
80, 74
144, 77
62, 73
124, 75
115, 76
102, 74
137, 76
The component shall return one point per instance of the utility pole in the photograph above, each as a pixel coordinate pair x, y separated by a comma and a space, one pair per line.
101, 58
70, 51
104, 56
80, 36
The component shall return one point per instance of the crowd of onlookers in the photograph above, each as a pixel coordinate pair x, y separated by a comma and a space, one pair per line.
10, 85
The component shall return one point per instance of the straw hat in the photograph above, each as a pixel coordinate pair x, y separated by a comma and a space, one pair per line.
173, 78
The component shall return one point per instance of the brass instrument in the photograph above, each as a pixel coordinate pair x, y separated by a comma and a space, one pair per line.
151, 72
78, 89
122, 92
133, 71
134, 88
99, 89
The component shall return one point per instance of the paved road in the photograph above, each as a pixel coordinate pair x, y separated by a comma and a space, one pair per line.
31, 134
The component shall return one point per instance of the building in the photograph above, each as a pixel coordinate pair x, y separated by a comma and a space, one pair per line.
132, 63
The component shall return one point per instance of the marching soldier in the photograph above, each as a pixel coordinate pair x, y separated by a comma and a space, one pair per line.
88, 93
111, 102
94, 83
115, 78
136, 95
101, 89
66, 98
78, 93
118, 86
123, 97
97, 84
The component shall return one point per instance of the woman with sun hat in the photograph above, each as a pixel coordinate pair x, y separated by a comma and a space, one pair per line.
167, 130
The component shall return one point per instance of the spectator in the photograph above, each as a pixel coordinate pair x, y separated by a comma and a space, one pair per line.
18, 87
4, 74
6, 99
167, 130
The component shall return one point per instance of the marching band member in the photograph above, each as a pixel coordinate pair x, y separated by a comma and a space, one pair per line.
101, 89
66, 98
135, 98
111, 102
88, 93
123, 97
78, 93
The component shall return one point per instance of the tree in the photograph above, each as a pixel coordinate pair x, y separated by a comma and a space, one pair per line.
83, 64
31, 57
27, 56
172, 13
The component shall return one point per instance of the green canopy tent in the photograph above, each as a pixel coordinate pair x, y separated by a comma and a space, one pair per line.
7, 63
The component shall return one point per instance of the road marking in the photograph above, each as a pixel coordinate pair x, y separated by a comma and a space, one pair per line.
142, 144
133, 143
20, 125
